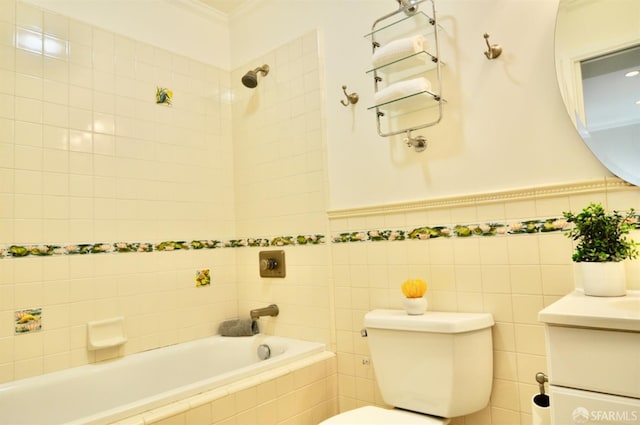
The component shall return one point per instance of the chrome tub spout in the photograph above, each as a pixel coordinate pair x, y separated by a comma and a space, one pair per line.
271, 310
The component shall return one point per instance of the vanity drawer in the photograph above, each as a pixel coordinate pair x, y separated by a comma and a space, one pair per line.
569, 406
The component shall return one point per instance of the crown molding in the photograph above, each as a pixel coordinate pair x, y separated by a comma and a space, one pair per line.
199, 8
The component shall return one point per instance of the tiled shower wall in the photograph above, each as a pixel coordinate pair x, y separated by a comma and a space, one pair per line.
512, 276
87, 156
281, 187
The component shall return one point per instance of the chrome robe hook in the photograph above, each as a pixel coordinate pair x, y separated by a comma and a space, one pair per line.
493, 50
351, 98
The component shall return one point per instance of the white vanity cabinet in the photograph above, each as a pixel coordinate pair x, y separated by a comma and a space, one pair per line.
593, 359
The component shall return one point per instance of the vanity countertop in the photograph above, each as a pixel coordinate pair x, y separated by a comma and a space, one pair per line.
577, 309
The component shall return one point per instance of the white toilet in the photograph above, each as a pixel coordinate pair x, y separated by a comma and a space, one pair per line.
430, 367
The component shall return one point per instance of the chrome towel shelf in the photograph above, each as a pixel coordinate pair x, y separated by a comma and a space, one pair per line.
412, 111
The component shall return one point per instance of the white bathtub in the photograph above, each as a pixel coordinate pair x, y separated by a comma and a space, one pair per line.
106, 392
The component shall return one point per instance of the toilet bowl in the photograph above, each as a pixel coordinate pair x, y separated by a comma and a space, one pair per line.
372, 415
430, 367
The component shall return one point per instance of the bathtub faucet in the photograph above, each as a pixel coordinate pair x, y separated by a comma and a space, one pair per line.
271, 310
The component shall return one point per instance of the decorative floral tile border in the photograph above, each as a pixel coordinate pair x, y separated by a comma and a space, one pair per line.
490, 229
124, 247
457, 230
547, 225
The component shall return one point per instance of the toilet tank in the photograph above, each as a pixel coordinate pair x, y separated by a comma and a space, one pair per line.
439, 363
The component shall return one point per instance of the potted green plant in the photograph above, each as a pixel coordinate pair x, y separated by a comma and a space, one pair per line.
602, 245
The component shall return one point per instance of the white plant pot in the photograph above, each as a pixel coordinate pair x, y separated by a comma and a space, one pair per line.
601, 279
415, 306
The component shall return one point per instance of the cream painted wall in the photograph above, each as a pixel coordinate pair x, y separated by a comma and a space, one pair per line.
504, 126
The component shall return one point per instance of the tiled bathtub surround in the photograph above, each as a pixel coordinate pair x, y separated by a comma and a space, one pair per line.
105, 195
301, 393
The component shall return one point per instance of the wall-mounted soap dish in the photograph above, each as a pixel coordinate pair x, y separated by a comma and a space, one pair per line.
105, 333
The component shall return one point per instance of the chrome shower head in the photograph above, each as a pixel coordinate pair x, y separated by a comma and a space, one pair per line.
250, 79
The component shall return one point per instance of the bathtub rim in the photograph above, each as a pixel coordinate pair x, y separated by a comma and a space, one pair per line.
194, 389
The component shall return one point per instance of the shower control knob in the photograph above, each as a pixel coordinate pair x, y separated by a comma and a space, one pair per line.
272, 263
268, 264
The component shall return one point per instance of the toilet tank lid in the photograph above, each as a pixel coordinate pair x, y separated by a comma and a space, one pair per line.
430, 321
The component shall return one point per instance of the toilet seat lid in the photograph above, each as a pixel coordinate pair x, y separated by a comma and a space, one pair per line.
371, 415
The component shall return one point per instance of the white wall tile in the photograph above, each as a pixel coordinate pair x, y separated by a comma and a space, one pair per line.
7, 81
28, 86
58, 71
56, 25
28, 40
55, 47
79, 52
28, 157
104, 102
28, 182
28, 230
80, 98
28, 110
80, 163
56, 208
80, 32
28, 63
7, 34
7, 107
80, 75
56, 229
55, 115
80, 141
8, 58
7, 180
7, 206
29, 16
55, 137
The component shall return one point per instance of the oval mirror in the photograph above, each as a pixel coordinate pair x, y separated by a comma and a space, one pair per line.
597, 53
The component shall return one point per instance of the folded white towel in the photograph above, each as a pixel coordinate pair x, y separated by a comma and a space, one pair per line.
399, 49
402, 89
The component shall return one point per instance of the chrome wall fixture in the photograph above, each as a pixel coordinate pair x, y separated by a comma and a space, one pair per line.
352, 98
250, 79
409, 6
418, 143
493, 50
